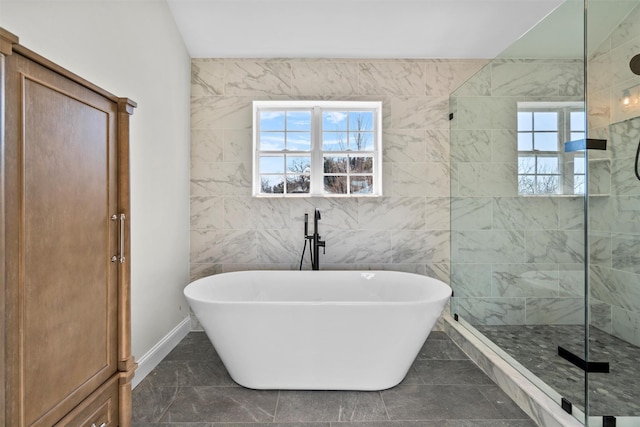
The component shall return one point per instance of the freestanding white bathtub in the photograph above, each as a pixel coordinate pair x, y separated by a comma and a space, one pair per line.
317, 330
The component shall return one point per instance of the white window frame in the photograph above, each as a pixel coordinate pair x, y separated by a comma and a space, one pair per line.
316, 152
566, 175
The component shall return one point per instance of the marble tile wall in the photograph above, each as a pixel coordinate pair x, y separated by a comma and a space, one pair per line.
615, 217
515, 260
407, 229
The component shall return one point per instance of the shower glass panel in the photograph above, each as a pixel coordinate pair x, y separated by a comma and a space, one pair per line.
613, 98
545, 240
518, 204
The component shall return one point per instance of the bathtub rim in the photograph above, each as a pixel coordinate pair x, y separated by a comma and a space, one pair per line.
447, 291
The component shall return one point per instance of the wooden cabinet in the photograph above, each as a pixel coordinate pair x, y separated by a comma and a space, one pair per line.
64, 241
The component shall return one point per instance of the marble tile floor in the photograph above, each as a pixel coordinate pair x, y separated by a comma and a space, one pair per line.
191, 388
536, 348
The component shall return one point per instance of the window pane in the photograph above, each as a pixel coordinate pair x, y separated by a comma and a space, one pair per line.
298, 184
335, 164
298, 164
271, 184
271, 120
334, 120
577, 121
545, 120
334, 141
361, 164
526, 184
525, 121
526, 165
270, 141
547, 165
299, 120
545, 141
525, 141
578, 165
299, 141
547, 184
575, 136
272, 164
361, 141
335, 184
578, 184
361, 185
361, 120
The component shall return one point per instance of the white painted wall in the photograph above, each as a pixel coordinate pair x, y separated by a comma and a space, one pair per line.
134, 50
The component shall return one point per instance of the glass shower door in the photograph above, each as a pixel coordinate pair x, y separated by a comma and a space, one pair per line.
614, 212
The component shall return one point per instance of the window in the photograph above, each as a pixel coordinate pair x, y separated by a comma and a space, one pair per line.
317, 148
543, 166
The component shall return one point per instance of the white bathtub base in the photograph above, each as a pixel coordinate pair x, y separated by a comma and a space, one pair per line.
324, 333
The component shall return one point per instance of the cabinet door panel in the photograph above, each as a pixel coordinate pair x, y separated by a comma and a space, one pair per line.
66, 289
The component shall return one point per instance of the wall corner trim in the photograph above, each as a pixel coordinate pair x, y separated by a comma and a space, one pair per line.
154, 356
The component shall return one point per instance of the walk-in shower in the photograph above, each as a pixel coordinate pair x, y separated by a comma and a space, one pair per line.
545, 238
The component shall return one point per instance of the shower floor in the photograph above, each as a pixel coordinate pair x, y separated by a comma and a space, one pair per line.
536, 348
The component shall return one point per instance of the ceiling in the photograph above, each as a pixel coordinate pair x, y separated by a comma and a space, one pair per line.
354, 28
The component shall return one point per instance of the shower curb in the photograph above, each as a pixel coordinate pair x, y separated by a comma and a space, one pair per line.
535, 403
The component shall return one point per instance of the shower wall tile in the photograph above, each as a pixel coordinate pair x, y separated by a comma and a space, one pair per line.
207, 77
471, 280
525, 280
600, 248
207, 145
503, 146
527, 213
437, 213
421, 179
430, 112
571, 79
623, 179
530, 78
392, 78
555, 246
278, 246
207, 212
487, 179
478, 85
324, 79
471, 213
615, 287
358, 246
471, 146
626, 325
571, 280
443, 77
625, 252
253, 78
570, 212
221, 112
402, 146
244, 213
220, 179
601, 315
392, 213
420, 246
486, 246
238, 146
555, 311
492, 311
438, 147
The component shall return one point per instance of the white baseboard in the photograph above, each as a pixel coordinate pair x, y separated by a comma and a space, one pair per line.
153, 357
